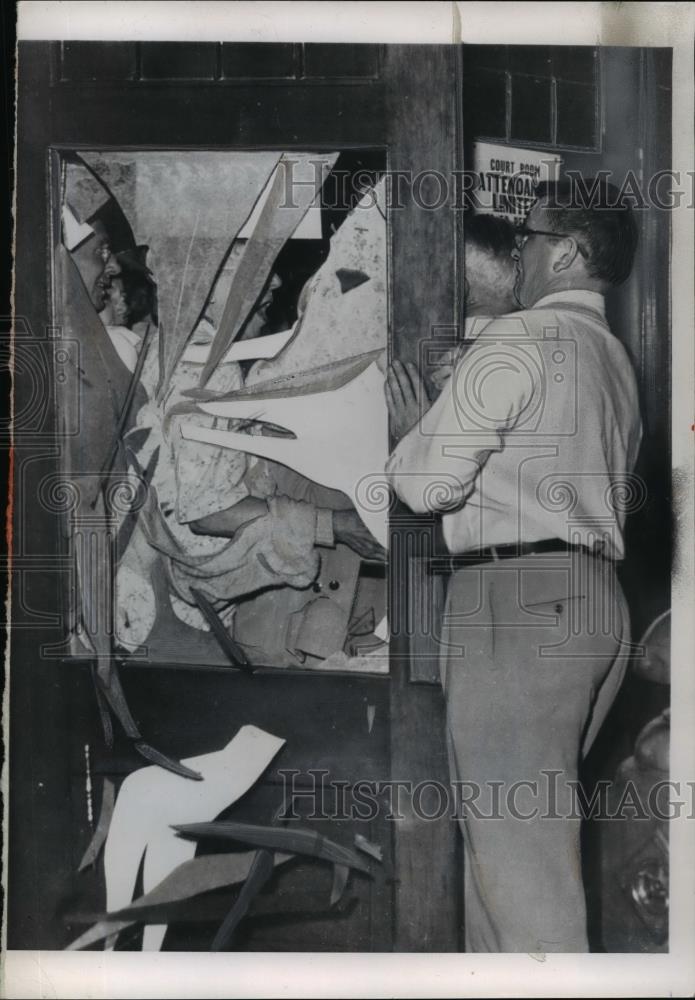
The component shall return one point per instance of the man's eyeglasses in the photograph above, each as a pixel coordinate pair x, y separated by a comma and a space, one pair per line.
522, 233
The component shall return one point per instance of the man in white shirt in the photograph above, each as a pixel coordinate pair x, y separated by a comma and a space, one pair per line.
489, 278
528, 454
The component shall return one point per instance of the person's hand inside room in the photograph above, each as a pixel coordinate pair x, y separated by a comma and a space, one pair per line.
406, 397
349, 529
226, 523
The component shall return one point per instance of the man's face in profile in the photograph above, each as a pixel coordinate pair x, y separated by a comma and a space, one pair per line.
97, 265
534, 256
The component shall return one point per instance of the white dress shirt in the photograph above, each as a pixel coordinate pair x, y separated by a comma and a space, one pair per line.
126, 343
535, 435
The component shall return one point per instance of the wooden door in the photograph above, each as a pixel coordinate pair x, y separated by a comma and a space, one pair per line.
188, 95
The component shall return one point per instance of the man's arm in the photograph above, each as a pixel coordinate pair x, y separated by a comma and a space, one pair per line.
226, 523
453, 439
332, 526
351, 531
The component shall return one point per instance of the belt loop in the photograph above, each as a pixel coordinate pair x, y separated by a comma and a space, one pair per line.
493, 550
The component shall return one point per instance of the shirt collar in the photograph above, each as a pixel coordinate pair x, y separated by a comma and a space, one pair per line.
128, 335
575, 296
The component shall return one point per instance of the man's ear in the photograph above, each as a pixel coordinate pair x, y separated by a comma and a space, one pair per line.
567, 251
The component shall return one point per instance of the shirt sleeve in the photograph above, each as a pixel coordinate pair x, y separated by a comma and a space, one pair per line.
274, 550
435, 465
325, 536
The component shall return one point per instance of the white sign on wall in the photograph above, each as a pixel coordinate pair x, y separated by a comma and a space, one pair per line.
507, 178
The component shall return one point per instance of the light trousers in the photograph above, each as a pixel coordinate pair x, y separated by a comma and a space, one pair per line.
534, 650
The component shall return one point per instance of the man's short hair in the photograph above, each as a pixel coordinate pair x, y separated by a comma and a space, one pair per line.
603, 225
489, 234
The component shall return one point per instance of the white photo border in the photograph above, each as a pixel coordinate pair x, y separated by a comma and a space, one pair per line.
119, 974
